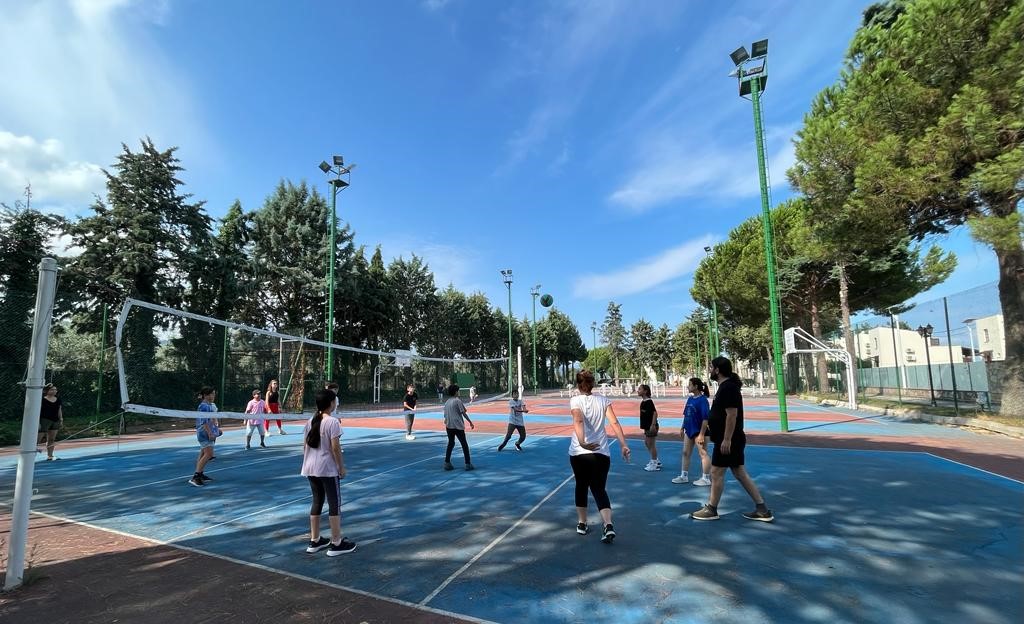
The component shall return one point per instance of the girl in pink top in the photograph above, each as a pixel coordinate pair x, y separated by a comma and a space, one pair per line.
324, 465
255, 406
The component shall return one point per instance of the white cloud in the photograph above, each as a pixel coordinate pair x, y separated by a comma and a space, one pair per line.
45, 165
671, 170
646, 274
450, 264
89, 74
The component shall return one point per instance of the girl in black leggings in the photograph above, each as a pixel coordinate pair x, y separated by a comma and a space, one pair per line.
590, 452
324, 465
454, 414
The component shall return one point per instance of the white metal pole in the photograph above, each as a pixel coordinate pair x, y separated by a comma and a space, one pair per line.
971, 335
519, 366
30, 422
851, 384
901, 367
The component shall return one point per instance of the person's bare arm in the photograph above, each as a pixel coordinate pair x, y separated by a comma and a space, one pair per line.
730, 426
339, 457
617, 430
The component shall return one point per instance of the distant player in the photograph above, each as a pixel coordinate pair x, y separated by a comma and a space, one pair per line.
409, 404
454, 414
695, 432
274, 405
516, 409
472, 394
207, 433
649, 425
256, 407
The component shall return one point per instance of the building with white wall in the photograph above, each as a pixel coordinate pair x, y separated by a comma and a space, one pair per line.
989, 337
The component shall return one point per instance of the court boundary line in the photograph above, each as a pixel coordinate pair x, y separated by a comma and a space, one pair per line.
994, 474
259, 566
874, 417
498, 539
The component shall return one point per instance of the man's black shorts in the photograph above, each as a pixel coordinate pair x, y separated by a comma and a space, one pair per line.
735, 456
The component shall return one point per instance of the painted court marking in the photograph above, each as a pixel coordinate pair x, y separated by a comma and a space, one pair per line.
258, 566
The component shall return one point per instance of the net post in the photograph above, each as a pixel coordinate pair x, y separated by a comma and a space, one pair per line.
519, 369
30, 422
103, 352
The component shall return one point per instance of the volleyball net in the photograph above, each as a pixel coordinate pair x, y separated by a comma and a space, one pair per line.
165, 356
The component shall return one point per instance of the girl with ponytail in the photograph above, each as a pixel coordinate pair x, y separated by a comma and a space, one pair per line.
323, 464
694, 430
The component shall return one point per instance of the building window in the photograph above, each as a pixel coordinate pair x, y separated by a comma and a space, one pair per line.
986, 335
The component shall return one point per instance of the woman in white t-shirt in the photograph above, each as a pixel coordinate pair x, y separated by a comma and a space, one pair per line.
324, 465
590, 454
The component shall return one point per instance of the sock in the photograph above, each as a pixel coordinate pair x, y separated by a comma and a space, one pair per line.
713, 508
686, 474
705, 475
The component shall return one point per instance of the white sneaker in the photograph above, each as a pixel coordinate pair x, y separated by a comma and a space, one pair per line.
652, 467
701, 481
681, 479
410, 436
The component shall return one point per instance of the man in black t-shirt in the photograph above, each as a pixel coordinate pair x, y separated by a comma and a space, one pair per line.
726, 427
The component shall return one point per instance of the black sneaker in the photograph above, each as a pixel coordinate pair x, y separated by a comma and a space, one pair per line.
582, 528
448, 466
519, 448
470, 467
196, 481
501, 447
342, 547
318, 545
707, 512
204, 477
760, 516
609, 534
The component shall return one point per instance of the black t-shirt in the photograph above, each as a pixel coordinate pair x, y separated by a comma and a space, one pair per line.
411, 398
646, 413
728, 395
50, 411
272, 397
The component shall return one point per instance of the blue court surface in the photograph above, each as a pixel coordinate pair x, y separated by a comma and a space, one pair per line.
860, 536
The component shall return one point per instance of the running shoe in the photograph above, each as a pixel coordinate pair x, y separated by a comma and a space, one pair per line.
702, 481
760, 516
247, 447
652, 467
582, 528
609, 534
681, 479
318, 545
519, 447
196, 481
470, 467
204, 477
342, 547
707, 512
410, 436
262, 444
448, 466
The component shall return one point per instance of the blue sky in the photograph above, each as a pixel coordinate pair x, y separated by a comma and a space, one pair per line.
592, 147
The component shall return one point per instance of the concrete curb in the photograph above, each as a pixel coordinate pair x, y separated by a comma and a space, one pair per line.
912, 415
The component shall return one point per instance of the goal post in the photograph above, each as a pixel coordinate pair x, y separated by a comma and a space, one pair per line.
798, 341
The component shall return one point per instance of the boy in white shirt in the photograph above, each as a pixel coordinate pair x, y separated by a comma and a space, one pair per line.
516, 409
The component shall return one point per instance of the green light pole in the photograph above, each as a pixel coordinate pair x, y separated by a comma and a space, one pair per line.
696, 336
714, 314
337, 184
753, 80
506, 276
535, 292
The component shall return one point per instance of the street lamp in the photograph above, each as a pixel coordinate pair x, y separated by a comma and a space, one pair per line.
535, 292
926, 333
753, 78
506, 276
337, 185
714, 312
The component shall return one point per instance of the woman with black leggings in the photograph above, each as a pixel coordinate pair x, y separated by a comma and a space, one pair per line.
590, 453
324, 466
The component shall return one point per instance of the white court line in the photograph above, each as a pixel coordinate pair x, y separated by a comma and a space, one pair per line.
258, 566
493, 543
307, 496
974, 467
496, 540
818, 407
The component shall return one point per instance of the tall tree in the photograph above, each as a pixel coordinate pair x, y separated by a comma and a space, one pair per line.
641, 338
415, 296
661, 351
139, 243
613, 332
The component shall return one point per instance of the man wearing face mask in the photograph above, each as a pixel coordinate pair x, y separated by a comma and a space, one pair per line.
726, 426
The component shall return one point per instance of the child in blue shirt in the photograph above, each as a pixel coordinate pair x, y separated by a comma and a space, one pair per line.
207, 433
695, 426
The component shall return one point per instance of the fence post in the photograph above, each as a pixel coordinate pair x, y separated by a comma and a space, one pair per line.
30, 422
952, 364
896, 359
103, 353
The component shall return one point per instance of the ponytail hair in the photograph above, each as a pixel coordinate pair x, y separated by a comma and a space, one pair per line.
700, 386
324, 398
585, 381
724, 366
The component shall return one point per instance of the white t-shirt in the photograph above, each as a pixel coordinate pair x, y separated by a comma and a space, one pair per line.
593, 408
515, 416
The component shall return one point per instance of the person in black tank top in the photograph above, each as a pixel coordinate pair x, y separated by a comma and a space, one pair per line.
51, 417
274, 405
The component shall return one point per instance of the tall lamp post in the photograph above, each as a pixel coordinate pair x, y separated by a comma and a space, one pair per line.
753, 78
967, 323
717, 343
338, 169
535, 292
506, 276
926, 333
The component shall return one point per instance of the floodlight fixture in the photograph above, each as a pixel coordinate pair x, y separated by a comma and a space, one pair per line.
739, 55
340, 161
338, 183
707, 249
506, 276
759, 48
324, 166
